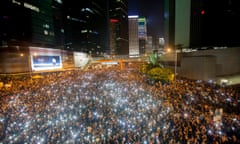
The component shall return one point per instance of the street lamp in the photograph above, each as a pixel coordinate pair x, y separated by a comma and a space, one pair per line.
175, 64
175, 68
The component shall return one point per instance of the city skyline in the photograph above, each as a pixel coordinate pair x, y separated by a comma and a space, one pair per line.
208, 25
211, 24
153, 11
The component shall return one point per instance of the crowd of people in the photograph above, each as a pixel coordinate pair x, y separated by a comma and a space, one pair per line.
109, 105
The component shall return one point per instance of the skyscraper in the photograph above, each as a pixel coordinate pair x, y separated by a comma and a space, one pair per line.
86, 26
63, 24
118, 34
58, 20
27, 23
142, 34
149, 45
97, 27
219, 21
169, 22
201, 23
133, 36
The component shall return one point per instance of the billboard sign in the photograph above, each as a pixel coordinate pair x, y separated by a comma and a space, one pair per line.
46, 62
45, 58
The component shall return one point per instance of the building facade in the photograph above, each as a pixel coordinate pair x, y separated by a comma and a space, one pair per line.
133, 36
118, 27
27, 23
198, 23
85, 26
149, 45
142, 34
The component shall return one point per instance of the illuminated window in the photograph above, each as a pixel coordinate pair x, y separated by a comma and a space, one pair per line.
59, 1
45, 32
16, 2
32, 7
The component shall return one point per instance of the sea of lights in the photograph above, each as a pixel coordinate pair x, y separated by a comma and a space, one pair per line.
88, 109
95, 107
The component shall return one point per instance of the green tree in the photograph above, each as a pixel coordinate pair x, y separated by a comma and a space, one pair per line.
160, 74
153, 59
155, 71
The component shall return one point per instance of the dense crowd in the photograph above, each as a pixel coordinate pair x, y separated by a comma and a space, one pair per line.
113, 106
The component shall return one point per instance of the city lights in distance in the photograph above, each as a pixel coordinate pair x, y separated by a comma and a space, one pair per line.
133, 16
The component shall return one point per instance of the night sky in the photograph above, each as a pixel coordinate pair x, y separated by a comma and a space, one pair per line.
219, 25
153, 11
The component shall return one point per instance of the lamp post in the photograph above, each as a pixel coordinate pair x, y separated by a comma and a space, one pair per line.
175, 65
30, 66
175, 68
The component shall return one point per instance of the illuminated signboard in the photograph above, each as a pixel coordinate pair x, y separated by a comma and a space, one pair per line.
46, 62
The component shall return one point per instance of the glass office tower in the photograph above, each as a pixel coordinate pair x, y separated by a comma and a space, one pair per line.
118, 24
133, 36
27, 23
142, 34
85, 26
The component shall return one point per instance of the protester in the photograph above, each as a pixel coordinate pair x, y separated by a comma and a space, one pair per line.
108, 105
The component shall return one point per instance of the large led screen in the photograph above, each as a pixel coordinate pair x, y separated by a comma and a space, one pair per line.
44, 62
